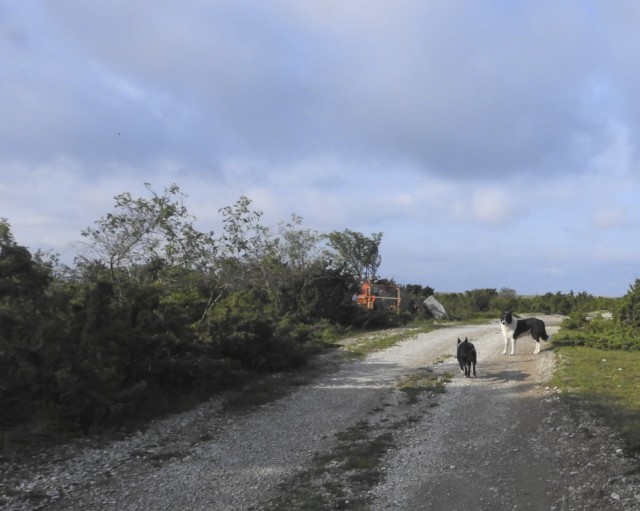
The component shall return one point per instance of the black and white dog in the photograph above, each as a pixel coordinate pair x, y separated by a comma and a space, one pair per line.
466, 355
512, 328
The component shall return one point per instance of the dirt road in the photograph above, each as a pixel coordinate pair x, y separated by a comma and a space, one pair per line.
486, 445
506, 441
352, 439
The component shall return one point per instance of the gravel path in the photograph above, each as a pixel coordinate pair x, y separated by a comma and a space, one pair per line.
501, 441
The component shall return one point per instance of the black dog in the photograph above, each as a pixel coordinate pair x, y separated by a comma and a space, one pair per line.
466, 355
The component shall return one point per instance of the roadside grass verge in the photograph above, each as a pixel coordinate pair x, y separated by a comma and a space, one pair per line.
607, 382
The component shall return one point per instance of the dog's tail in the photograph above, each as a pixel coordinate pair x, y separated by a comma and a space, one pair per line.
542, 331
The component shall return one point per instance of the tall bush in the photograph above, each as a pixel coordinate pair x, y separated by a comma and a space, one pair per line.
243, 327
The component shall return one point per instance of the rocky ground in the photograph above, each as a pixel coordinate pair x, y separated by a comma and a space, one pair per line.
377, 434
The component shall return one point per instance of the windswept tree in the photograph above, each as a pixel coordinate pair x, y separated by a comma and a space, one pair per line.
359, 254
243, 245
296, 246
300, 277
141, 232
293, 252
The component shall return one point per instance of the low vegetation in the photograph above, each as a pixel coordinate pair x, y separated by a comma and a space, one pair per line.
608, 382
599, 356
424, 381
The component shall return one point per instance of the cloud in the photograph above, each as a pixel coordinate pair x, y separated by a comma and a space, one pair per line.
609, 218
283, 80
486, 140
492, 206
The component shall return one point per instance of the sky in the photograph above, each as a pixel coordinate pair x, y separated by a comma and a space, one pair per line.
494, 143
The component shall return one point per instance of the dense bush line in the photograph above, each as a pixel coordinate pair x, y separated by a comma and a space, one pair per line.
154, 311
491, 303
612, 326
596, 322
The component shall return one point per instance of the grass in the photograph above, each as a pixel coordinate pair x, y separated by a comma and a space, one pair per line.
359, 451
423, 381
607, 381
340, 478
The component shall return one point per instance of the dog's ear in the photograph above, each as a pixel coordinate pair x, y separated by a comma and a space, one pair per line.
459, 341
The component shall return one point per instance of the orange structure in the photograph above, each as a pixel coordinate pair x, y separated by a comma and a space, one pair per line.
379, 296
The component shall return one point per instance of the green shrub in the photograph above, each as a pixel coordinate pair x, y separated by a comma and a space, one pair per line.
243, 327
605, 334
